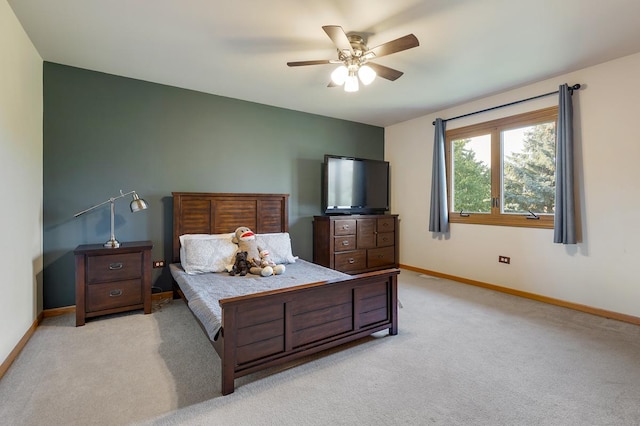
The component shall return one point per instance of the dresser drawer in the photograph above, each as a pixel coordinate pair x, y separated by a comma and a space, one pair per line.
113, 295
345, 227
386, 224
380, 257
385, 239
357, 243
351, 261
346, 243
114, 267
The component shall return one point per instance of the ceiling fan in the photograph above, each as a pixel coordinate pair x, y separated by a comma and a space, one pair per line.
354, 58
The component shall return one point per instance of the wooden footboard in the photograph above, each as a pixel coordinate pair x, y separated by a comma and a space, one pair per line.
266, 329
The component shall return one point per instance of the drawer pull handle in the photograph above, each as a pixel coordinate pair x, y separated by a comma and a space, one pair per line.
115, 293
381, 256
345, 226
116, 266
345, 243
352, 260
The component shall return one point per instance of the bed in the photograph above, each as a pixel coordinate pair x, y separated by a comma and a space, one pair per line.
306, 310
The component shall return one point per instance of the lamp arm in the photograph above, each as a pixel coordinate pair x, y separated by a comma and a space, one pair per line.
110, 200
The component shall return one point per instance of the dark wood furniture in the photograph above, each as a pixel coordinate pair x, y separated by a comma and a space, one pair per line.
356, 243
111, 280
271, 328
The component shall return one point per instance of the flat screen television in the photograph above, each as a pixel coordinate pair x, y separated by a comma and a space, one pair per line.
355, 185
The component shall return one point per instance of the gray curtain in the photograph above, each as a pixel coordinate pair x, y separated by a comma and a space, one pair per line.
565, 224
439, 213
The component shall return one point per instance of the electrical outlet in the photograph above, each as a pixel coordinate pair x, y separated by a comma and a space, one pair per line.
158, 263
504, 259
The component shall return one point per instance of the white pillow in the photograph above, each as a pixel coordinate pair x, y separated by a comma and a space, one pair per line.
185, 237
200, 253
279, 246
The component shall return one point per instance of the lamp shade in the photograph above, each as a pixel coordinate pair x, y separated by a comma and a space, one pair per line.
366, 74
351, 84
138, 204
339, 75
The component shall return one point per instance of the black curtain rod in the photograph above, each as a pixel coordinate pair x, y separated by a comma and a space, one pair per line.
571, 89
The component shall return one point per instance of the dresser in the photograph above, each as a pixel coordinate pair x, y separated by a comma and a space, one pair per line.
356, 243
111, 280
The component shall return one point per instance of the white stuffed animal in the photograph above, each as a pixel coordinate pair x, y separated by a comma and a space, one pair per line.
267, 262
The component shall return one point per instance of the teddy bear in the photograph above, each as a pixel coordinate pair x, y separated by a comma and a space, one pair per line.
241, 266
246, 240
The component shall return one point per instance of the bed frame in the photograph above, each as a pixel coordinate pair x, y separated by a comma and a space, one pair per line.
271, 328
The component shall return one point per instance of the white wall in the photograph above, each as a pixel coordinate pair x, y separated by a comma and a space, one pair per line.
603, 270
21, 177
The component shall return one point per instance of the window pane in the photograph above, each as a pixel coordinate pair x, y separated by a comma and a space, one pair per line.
528, 174
472, 174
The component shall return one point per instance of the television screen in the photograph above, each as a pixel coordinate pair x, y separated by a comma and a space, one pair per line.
355, 185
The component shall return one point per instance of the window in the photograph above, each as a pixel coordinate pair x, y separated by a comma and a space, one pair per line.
502, 172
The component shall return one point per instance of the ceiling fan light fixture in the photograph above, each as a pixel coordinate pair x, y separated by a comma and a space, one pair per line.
366, 74
339, 75
354, 55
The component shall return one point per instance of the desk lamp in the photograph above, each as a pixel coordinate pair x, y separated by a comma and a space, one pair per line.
136, 205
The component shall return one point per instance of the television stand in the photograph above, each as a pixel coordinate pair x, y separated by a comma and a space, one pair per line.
356, 243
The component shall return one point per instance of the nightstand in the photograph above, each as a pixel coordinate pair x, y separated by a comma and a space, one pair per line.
111, 280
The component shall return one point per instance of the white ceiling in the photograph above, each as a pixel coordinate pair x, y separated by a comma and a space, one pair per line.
239, 48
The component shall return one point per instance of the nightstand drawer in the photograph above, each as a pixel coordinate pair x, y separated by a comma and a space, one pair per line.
114, 267
113, 295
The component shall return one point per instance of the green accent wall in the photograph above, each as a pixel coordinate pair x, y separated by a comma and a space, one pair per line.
104, 133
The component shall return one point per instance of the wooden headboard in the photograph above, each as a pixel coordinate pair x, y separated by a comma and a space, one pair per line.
219, 213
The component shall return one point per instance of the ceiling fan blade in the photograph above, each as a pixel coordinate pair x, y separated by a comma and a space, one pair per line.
394, 46
385, 72
302, 63
339, 38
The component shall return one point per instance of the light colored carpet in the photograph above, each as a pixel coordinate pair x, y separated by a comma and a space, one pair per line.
463, 356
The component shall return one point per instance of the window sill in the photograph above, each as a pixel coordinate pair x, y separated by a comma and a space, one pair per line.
545, 221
